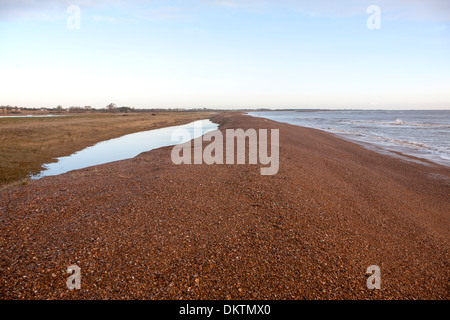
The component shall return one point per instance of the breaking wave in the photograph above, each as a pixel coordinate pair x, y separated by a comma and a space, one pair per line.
398, 142
400, 122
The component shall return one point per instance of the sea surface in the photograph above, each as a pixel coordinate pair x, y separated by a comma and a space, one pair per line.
420, 133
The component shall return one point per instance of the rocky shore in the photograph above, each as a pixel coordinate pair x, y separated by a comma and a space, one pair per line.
145, 228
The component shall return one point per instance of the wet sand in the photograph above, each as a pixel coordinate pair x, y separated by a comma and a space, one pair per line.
145, 228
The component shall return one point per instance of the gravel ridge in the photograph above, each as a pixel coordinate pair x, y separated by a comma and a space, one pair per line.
145, 228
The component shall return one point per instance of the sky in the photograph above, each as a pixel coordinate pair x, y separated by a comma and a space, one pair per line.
225, 53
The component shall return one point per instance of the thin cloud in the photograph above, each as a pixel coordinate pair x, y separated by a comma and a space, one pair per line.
168, 13
430, 10
47, 9
433, 10
56, 9
241, 3
103, 18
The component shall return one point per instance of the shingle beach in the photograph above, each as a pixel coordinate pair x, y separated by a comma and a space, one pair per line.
145, 228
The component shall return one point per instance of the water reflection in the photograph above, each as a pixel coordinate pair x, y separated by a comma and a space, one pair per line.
124, 147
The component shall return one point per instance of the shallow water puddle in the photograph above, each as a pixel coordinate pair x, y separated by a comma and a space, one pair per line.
125, 147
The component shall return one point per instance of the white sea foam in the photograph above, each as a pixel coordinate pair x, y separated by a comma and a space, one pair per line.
419, 133
400, 122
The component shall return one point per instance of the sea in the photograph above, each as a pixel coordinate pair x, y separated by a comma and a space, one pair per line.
423, 134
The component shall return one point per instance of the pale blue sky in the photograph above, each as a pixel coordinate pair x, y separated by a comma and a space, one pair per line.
226, 54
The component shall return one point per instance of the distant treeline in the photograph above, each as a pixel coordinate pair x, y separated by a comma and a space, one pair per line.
110, 108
